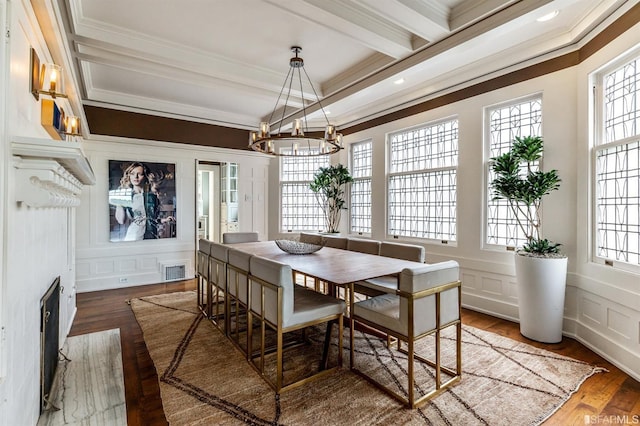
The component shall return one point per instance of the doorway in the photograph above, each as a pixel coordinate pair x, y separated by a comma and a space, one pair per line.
216, 199
208, 201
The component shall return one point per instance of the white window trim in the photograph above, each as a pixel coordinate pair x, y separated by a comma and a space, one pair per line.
486, 149
281, 183
388, 174
597, 117
370, 141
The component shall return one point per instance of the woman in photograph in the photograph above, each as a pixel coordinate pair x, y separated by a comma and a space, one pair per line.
142, 214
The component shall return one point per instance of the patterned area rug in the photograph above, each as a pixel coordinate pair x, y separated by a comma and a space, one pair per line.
204, 378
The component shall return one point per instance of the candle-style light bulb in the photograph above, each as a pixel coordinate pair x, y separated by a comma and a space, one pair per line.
53, 78
296, 130
253, 137
264, 129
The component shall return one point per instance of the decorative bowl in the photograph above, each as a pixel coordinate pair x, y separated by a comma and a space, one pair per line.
296, 247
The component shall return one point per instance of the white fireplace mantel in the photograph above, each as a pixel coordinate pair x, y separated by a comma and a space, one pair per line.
50, 173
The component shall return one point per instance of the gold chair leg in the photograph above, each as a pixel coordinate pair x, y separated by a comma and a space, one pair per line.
340, 331
279, 361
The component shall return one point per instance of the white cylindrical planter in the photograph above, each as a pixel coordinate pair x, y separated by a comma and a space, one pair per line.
541, 284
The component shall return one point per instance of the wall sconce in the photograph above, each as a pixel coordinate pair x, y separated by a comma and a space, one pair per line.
46, 79
72, 126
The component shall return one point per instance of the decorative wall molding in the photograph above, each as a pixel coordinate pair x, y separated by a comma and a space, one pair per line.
45, 183
50, 173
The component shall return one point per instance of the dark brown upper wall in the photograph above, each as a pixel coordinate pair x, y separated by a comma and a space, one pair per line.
110, 122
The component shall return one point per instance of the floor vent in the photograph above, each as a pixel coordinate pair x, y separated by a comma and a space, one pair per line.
174, 272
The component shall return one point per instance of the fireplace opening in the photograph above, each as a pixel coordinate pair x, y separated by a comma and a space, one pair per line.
49, 340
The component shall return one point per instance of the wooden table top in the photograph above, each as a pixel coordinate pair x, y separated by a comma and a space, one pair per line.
336, 266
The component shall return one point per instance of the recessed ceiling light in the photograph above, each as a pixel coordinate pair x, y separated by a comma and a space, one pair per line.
399, 81
549, 16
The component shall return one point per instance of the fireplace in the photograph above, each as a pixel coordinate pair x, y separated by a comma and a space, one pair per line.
49, 340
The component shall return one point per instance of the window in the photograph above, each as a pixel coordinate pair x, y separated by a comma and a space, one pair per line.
361, 188
617, 163
299, 208
505, 122
422, 177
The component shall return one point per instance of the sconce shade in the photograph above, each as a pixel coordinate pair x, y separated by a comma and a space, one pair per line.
46, 79
72, 125
52, 81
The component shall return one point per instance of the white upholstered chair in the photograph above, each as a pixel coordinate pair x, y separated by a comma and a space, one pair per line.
236, 300
389, 283
202, 276
239, 237
427, 301
284, 307
218, 259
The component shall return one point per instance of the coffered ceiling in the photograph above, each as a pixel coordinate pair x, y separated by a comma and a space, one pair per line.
224, 61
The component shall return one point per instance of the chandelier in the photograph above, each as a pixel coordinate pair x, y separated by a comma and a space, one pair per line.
299, 141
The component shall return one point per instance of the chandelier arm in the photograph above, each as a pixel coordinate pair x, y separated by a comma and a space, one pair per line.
316, 94
304, 105
275, 107
290, 76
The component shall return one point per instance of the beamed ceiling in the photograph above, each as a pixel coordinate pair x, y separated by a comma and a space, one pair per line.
206, 71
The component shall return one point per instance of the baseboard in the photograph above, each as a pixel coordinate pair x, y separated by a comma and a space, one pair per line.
595, 341
621, 357
493, 307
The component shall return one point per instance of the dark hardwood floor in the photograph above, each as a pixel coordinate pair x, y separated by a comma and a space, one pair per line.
608, 398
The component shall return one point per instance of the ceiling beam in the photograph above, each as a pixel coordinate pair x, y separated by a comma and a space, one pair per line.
350, 19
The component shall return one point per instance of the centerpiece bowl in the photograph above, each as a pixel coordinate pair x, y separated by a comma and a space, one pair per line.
297, 247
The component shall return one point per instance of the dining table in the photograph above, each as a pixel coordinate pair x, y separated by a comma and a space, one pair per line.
335, 266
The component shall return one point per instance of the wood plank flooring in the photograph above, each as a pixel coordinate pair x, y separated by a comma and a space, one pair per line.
601, 396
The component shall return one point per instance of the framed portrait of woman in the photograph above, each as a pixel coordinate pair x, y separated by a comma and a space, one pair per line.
142, 200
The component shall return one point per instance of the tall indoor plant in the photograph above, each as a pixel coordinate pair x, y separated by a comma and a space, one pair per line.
540, 267
329, 187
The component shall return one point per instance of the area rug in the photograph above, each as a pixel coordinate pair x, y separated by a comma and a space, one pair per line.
205, 379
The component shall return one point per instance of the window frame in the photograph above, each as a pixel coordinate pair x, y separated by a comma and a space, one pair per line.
390, 175
598, 144
282, 183
487, 194
355, 179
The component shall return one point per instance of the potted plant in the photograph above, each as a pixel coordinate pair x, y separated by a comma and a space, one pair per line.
328, 186
540, 267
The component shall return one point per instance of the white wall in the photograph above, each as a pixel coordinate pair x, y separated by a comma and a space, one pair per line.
37, 242
606, 315
488, 274
602, 308
102, 264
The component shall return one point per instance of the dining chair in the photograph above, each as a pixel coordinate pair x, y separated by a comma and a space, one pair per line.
218, 259
389, 283
426, 303
311, 238
239, 237
237, 298
283, 307
335, 242
363, 246
203, 276
303, 279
